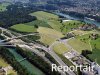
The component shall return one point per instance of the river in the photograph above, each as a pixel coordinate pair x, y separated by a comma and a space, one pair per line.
30, 67
90, 21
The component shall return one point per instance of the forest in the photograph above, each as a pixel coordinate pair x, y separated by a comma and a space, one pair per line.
15, 14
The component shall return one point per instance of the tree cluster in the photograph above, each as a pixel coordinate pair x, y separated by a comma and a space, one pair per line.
16, 14
9, 57
37, 60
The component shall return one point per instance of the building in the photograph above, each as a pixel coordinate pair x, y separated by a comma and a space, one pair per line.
2, 71
87, 27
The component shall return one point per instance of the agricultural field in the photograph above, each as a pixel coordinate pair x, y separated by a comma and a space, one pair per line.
23, 28
73, 23
69, 25
55, 24
51, 19
5, 64
54, 21
48, 36
95, 43
38, 23
79, 45
44, 15
60, 48
3, 6
81, 32
95, 56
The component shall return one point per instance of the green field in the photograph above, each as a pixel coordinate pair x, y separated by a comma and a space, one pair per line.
55, 24
44, 15
3, 6
51, 19
38, 23
81, 32
48, 36
23, 28
54, 21
67, 26
95, 56
80, 43
5, 64
95, 43
60, 48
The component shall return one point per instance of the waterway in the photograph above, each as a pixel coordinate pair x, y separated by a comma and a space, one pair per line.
90, 21
30, 67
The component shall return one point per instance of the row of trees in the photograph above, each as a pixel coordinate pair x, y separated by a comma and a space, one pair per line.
9, 57
37, 60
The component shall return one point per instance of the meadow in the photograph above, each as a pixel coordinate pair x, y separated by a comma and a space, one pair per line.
95, 43
39, 23
41, 15
55, 24
51, 19
23, 28
69, 25
79, 45
95, 56
60, 48
48, 36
